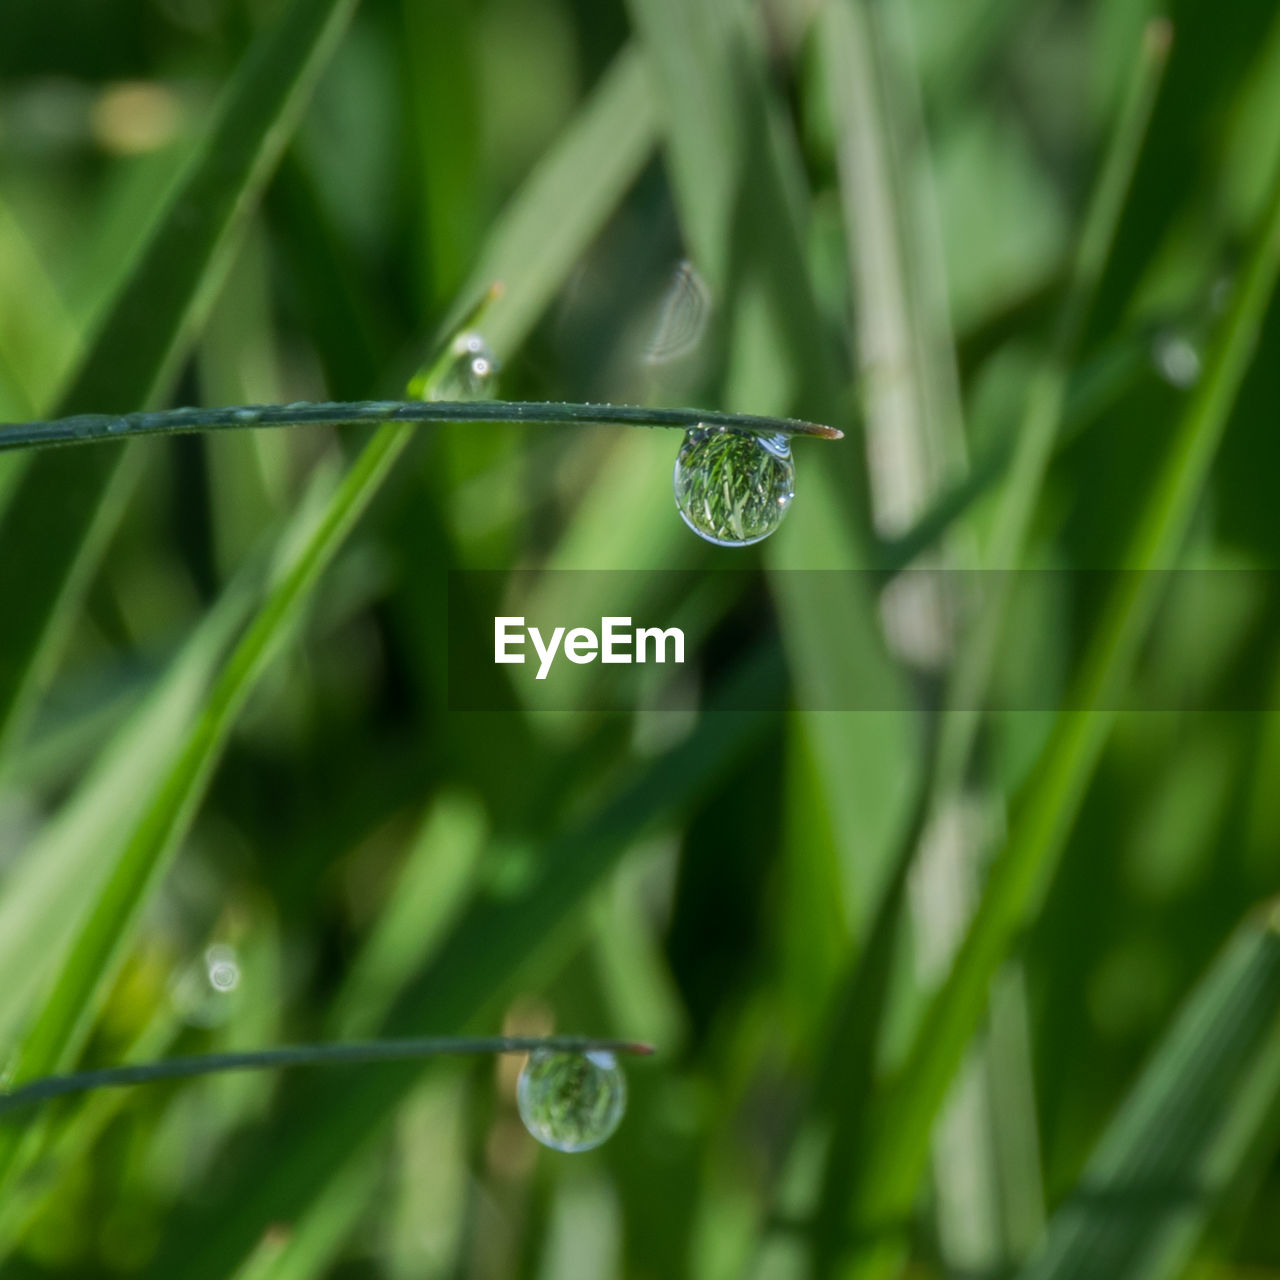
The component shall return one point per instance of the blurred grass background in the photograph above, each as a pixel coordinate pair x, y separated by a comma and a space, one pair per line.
885, 199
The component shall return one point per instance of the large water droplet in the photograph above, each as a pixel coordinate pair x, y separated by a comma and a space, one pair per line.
733, 487
571, 1101
472, 373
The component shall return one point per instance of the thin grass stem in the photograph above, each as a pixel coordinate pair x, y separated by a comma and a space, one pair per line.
305, 1055
88, 427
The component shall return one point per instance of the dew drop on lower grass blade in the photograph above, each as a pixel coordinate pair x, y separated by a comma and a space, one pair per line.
571, 1101
733, 487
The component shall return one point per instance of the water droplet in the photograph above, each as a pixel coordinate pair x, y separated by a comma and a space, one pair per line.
207, 992
1176, 359
733, 487
682, 319
472, 374
571, 1101
247, 415
117, 425
222, 967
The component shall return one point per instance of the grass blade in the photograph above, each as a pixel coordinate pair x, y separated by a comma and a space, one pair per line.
66, 506
1179, 1140
49, 891
89, 427
542, 233
358, 1052
64, 1019
899, 1142
1046, 398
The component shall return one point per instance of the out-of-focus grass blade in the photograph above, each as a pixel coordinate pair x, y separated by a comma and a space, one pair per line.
900, 1134
48, 888
58, 521
429, 893
38, 339
332, 1121
544, 230
1046, 398
737, 186
1180, 1138
905, 348
306, 549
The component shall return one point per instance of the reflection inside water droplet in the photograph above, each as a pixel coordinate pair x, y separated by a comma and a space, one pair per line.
733, 487
571, 1101
472, 373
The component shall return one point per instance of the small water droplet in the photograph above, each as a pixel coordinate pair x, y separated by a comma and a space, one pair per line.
733, 487
222, 967
1177, 361
472, 375
117, 425
206, 993
571, 1101
247, 415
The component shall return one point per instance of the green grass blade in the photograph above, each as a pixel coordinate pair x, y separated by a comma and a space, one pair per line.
64, 1019
905, 349
1177, 1144
356, 1052
87, 428
742, 209
49, 889
559, 209
67, 504
1046, 398
899, 1144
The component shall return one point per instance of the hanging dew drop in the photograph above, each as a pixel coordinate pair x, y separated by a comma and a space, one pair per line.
571, 1101
733, 487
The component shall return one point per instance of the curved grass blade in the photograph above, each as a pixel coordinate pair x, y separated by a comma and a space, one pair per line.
361, 1052
1180, 1139
48, 889
67, 504
89, 427
899, 1138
